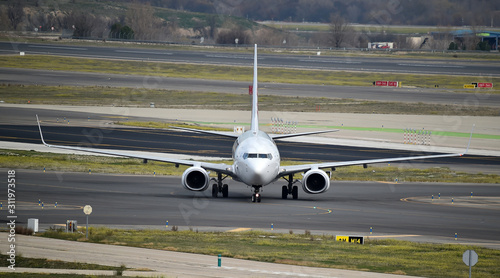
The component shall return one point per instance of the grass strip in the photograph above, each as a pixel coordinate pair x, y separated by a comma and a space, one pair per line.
377, 129
101, 164
238, 73
51, 264
117, 96
48, 275
383, 256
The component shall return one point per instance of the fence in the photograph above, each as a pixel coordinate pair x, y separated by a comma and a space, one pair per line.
281, 126
416, 137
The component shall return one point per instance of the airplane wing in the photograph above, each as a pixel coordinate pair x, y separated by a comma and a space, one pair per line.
287, 170
222, 168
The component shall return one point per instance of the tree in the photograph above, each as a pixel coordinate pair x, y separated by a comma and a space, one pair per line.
230, 36
453, 46
121, 32
484, 46
340, 30
83, 24
16, 14
140, 17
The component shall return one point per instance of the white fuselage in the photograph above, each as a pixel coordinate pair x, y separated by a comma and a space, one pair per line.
256, 158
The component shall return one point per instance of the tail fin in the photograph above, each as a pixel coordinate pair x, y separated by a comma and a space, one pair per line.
255, 109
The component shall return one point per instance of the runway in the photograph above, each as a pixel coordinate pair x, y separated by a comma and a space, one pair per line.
410, 95
348, 207
22, 128
362, 64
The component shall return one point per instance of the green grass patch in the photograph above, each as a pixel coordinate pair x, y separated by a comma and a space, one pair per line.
209, 126
22, 261
383, 256
278, 75
116, 96
41, 275
82, 163
101, 164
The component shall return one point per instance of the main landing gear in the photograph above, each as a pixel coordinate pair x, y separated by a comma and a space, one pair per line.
290, 189
256, 194
219, 187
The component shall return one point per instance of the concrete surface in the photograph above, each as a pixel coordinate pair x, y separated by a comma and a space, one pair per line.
156, 263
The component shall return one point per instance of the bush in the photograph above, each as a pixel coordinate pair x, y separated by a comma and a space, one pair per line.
21, 230
230, 36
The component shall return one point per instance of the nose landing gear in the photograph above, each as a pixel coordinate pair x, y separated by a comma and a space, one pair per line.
256, 195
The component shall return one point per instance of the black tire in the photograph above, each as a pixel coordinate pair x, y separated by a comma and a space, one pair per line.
258, 199
253, 198
215, 191
284, 192
295, 192
225, 191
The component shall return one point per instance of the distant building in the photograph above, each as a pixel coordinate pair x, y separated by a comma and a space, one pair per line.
488, 37
421, 42
380, 45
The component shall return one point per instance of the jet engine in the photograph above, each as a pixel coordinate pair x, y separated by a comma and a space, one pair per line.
195, 179
315, 181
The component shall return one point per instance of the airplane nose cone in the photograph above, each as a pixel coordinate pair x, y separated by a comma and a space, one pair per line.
261, 174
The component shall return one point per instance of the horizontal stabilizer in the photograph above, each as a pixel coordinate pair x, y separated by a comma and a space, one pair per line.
282, 136
219, 133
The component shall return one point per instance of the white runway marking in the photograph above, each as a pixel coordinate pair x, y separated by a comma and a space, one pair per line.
59, 47
431, 66
144, 52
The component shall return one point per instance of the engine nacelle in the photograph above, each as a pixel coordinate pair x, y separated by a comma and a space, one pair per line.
195, 179
315, 181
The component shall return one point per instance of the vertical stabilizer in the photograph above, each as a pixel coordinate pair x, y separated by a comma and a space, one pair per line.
255, 110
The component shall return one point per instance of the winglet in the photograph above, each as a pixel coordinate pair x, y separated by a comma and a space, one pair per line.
470, 139
40, 129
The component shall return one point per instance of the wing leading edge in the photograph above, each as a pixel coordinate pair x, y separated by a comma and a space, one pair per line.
287, 170
222, 168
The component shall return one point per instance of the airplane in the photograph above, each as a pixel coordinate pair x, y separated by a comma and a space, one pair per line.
256, 160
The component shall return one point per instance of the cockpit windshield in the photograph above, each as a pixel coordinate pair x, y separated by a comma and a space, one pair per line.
258, 155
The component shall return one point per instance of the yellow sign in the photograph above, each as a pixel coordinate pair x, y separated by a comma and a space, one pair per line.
351, 239
469, 86
342, 238
358, 240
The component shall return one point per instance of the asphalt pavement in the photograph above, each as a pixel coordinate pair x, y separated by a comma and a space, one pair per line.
221, 57
384, 94
393, 210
